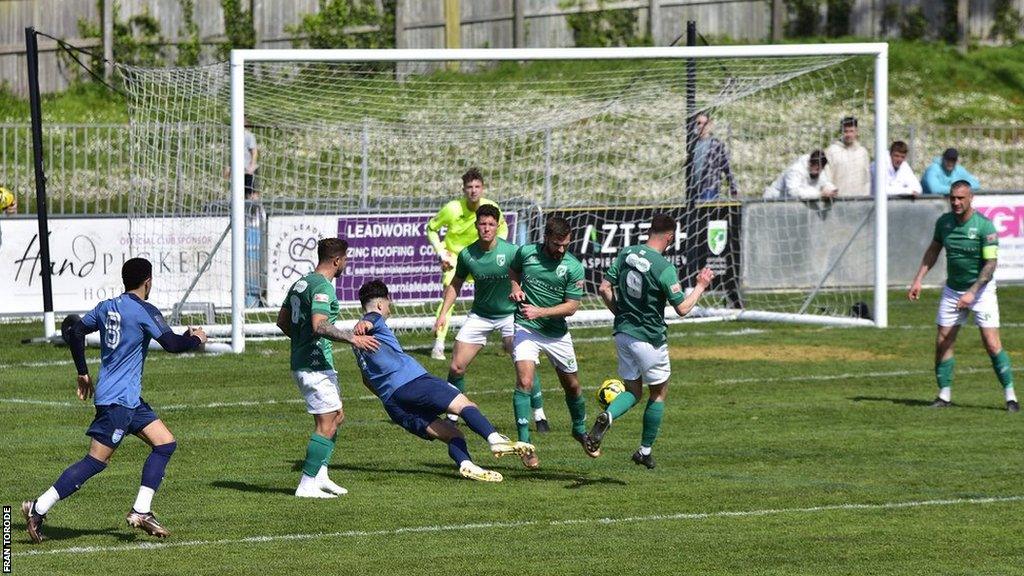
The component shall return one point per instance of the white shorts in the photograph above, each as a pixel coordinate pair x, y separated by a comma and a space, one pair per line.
527, 345
320, 390
986, 308
477, 328
642, 360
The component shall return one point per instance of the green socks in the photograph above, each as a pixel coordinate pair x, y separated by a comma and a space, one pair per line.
652, 421
944, 373
521, 407
621, 404
536, 400
578, 412
318, 453
1001, 364
458, 381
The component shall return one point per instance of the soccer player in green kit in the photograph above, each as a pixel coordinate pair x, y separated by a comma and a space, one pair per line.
635, 289
487, 260
458, 218
307, 317
971, 242
547, 284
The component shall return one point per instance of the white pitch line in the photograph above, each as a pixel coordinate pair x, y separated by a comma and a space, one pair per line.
523, 524
414, 347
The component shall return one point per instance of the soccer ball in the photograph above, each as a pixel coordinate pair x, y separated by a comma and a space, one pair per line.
6, 198
608, 390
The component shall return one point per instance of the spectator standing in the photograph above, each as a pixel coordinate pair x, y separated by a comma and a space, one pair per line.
848, 162
944, 171
900, 179
710, 163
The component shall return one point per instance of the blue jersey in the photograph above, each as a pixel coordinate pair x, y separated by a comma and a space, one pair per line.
389, 368
126, 324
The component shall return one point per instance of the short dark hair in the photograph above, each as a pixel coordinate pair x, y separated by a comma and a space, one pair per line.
951, 154
662, 223
848, 121
556, 227
899, 146
961, 184
818, 157
135, 271
488, 210
329, 248
372, 290
472, 174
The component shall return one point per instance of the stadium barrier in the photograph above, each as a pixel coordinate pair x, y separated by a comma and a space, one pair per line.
89, 169
87, 251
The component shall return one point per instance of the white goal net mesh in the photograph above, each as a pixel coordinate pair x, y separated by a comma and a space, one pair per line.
370, 151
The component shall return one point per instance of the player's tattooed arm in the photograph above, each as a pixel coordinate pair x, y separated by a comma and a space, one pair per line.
323, 327
988, 271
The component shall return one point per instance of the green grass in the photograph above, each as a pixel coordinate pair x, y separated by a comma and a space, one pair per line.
773, 432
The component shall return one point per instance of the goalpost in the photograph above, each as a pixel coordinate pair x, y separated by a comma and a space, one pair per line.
358, 139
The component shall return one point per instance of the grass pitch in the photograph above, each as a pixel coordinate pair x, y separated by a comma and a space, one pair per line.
808, 450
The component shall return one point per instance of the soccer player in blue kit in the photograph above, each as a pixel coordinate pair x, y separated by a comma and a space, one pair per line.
126, 323
414, 398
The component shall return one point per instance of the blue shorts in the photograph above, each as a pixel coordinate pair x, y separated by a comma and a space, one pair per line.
415, 405
113, 422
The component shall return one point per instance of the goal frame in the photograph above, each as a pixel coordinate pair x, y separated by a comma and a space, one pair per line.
239, 58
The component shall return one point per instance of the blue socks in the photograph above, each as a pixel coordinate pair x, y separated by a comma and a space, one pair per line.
458, 450
153, 469
76, 475
477, 422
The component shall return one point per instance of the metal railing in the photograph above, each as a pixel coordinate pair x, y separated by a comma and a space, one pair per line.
89, 166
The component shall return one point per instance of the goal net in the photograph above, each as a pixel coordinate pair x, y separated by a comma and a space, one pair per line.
368, 145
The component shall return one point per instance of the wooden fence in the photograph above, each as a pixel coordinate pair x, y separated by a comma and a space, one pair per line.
431, 24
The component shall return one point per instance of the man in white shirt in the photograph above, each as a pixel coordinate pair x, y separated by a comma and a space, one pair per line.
899, 176
805, 179
848, 162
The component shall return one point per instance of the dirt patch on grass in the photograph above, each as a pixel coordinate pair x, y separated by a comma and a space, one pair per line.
775, 353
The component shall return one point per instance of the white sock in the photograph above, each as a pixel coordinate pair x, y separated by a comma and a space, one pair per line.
538, 414
494, 438
645, 450
307, 483
47, 500
322, 473
1010, 395
453, 417
946, 393
144, 501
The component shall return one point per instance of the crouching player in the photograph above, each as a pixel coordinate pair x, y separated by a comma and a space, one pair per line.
126, 324
414, 399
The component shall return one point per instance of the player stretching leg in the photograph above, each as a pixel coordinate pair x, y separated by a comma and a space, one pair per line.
487, 260
307, 318
547, 283
971, 244
413, 398
635, 289
126, 324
